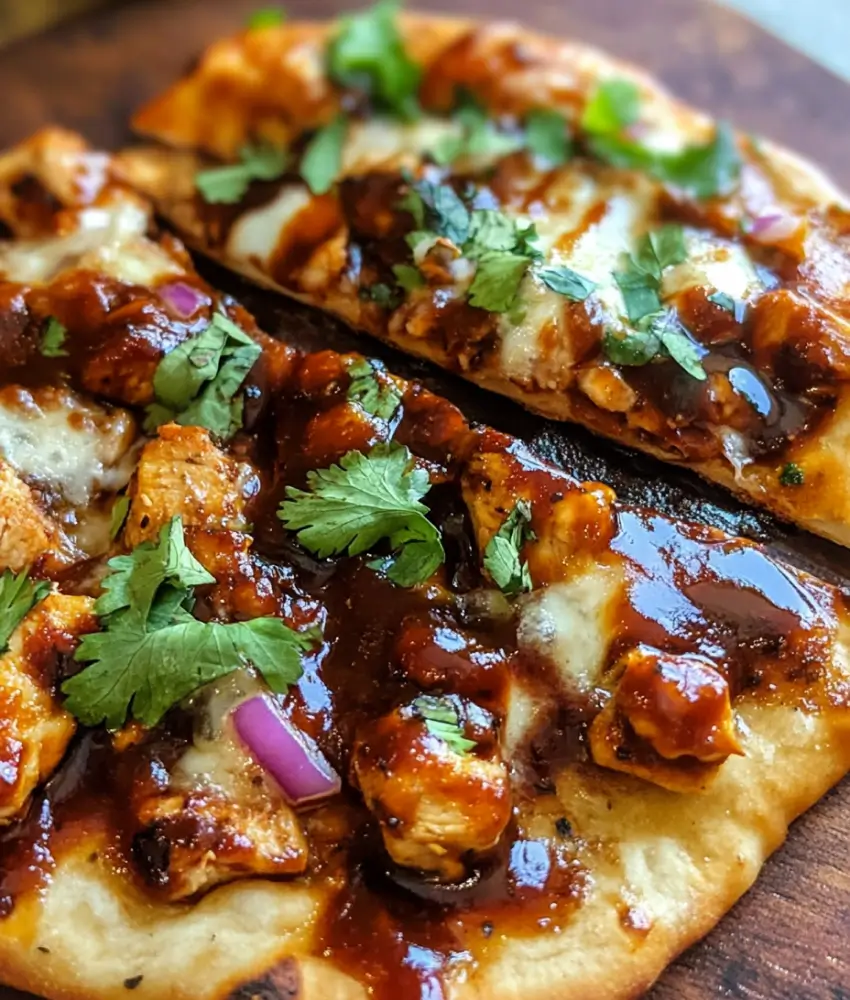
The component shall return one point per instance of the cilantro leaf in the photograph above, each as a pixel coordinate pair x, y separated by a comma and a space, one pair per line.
661, 334
365, 499
197, 384
227, 184
547, 136
640, 292
367, 54
322, 159
18, 596
631, 347
381, 294
490, 230
53, 339
640, 279
613, 107
502, 555
118, 515
566, 282
134, 579
152, 653
497, 280
408, 277
146, 672
442, 720
479, 137
438, 208
703, 171
373, 390
792, 474
267, 17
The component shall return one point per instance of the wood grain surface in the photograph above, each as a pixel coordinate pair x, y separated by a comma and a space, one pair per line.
789, 938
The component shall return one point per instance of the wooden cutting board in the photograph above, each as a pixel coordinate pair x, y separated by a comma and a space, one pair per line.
789, 938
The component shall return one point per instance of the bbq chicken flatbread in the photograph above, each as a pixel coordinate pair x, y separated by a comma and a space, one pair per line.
311, 689
540, 218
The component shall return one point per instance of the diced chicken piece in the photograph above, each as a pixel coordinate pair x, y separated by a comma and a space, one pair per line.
183, 473
26, 532
214, 818
34, 729
670, 720
606, 388
436, 805
567, 520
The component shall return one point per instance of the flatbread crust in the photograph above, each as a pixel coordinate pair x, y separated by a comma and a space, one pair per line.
659, 869
225, 103
666, 868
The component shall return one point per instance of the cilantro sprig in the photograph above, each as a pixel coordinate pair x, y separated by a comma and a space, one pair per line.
53, 339
658, 335
442, 720
266, 17
791, 474
367, 54
322, 159
18, 596
368, 498
373, 389
502, 555
642, 273
228, 183
152, 653
198, 383
702, 170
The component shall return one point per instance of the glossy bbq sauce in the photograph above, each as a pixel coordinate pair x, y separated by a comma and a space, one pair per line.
396, 931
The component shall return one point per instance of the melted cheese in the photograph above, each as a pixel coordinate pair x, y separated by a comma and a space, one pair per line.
381, 142
57, 441
109, 240
570, 624
256, 233
712, 263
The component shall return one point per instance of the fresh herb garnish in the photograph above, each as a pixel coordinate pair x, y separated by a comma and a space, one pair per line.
408, 277
792, 475
227, 184
197, 384
547, 136
367, 54
658, 335
267, 17
442, 720
18, 596
118, 515
373, 389
437, 209
497, 280
641, 276
152, 653
613, 107
502, 555
478, 136
53, 339
322, 159
365, 499
566, 282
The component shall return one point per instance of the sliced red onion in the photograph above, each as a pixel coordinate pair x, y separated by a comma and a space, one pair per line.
290, 756
182, 298
773, 227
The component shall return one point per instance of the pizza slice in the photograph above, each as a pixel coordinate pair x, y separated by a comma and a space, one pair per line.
358, 699
540, 218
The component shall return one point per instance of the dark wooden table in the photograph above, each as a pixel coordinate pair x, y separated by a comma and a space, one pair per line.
789, 938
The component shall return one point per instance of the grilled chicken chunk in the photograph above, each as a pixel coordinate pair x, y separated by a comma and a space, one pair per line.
26, 532
34, 728
183, 473
437, 804
212, 817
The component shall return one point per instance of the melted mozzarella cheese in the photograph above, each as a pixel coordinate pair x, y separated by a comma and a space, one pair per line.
570, 624
108, 240
381, 142
70, 447
712, 263
256, 233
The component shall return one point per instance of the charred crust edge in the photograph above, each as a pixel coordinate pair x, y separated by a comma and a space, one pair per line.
281, 982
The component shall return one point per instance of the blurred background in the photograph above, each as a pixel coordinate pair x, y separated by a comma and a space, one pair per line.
820, 28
